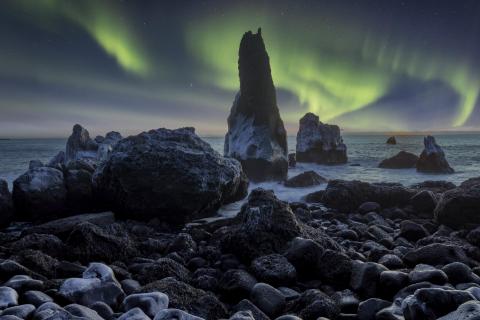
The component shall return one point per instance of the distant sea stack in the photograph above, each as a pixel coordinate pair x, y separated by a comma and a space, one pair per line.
320, 143
256, 135
432, 159
392, 140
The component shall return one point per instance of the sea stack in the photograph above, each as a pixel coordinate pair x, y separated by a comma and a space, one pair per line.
320, 143
392, 140
256, 135
432, 159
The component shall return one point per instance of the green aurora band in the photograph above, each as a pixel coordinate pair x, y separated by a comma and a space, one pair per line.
102, 20
330, 73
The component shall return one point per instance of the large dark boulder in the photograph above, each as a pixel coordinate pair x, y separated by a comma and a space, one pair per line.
432, 159
6, 204
256, 135
349, 195
459, 207
172, 175
305, 179
319, 143
401, 160
266, 225
40, 194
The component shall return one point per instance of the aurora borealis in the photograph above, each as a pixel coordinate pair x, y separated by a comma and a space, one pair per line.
132, 65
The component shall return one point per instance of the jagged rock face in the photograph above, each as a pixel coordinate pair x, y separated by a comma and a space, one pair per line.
80, 146
266, 225
150, 176
6, 204
40, 194
320, 143
256, 135
432, 159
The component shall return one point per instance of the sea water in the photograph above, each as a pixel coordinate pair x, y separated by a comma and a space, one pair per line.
365, 151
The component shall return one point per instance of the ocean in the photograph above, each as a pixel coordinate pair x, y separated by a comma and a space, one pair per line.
365, 151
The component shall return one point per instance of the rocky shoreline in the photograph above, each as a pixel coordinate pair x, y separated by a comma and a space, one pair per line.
361, 251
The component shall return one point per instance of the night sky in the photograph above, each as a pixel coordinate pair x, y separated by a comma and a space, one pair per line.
135, 65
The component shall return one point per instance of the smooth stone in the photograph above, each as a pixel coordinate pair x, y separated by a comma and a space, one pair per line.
22, 311
268, 299
135, 314
242, 315
23, 283
150, 303
236, 284
82, 311
458, 272
37, 298
8, 297
129, 286
365, 276
248, 306
470, 310
169, 314
423, 272
102, 309
368, 308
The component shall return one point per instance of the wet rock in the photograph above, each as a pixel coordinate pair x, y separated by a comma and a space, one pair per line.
50, 311
236, 284
402, 160
347, 301
334, 268
365, 276
176, 314
313, 304
256, 135
458, 272
433, 303
268, 299
62, 227
36, 298
89, 242
188, 298
40, 194
80, 146
318, 142
412, 231
23, 311
22, 283
274, 269
194, 169
368, 207
436, 186
304, 255
161, 268
436, 254
423, 272
391, 140
98, 284
391, 261
266, 226
79, 188
102, 309
135, 314
150, 303
469, 310
305, 179
8, 297
432, 159
424, 201
83, 312
247, 306
459, 207
368, 308
6, 204
346, 196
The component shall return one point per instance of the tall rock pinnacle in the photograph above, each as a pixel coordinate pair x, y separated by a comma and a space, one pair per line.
256, 135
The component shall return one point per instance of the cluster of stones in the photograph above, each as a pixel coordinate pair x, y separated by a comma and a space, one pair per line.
367, 251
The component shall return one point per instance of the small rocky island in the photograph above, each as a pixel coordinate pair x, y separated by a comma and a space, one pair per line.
319, 143
108, 229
